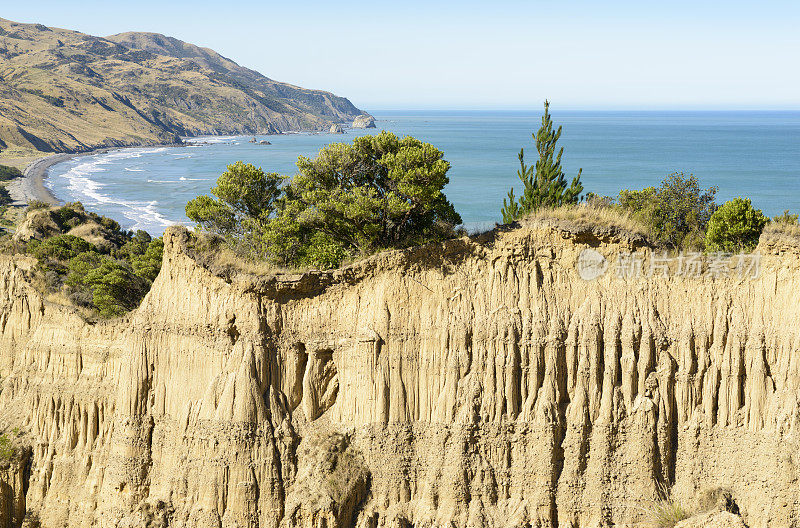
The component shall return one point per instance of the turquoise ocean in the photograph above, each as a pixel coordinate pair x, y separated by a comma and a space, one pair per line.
752, 154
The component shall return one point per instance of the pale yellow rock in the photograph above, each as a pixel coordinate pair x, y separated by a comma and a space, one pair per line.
475, 383
714, 519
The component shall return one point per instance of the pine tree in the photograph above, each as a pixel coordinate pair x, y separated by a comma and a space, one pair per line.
545, 184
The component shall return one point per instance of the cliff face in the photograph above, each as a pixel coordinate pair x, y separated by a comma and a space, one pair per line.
475, 383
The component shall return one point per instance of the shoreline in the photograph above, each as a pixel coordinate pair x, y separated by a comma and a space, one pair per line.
31, 187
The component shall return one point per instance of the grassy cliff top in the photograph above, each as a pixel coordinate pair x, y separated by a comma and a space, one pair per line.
66, 91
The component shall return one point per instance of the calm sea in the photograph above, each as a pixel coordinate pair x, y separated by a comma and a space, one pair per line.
753, 154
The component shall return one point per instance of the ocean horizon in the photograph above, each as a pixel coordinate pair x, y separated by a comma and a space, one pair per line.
754, 154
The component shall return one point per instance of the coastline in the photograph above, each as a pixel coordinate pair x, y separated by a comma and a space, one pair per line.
31, 185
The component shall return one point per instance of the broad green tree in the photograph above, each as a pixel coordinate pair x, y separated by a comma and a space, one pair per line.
243, 193
379, 192
543, 184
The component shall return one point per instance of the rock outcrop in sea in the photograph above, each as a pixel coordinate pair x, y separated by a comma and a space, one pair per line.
364, 121
479, 382
336, 128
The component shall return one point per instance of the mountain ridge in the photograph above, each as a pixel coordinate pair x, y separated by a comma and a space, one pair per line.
66, 91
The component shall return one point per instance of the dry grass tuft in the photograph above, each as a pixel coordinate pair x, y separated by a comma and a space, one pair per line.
782, 229
219, 258
227, 259
590, 216
665, 511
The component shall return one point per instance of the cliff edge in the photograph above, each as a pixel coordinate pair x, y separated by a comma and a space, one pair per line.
477, 382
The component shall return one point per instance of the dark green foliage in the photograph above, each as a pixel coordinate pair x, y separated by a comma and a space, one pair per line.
379, 192
116, 289
53, 100
7, 449
68, 216
244, 193
736, 226
9, 173
544, 184
59, 247
37, 204
677, 211
136, 246
148, 264
5, 197
108, 281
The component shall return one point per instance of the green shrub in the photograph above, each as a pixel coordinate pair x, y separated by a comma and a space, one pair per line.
79, 266
59, 247
37, 204
7, 449
9, 173
677, 212
108, 281
115, 288
136, 246
736, 226
378, 192
786, 218
323, 252
148, 264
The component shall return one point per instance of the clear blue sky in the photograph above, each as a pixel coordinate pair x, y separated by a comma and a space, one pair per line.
667, 54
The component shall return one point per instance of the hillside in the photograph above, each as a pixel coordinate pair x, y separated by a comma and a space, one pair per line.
475, 383
65, 91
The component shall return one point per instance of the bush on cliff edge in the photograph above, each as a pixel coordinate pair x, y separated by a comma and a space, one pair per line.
354, 199
736, 226
89, 260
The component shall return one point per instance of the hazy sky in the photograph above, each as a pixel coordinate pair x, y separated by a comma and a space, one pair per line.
670, 54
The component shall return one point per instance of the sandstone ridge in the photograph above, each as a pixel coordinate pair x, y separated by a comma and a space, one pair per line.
475, 383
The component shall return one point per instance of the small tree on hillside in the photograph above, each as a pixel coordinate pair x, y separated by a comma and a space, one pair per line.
545, 184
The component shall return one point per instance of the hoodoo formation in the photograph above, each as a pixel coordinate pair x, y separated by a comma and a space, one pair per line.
477, 382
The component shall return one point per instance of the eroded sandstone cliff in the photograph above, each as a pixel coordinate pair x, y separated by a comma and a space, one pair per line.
480, 382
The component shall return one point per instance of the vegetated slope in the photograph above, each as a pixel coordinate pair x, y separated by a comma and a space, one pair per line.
478, 382
63, 90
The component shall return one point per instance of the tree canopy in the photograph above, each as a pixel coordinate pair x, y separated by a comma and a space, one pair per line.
379, 192
243, 193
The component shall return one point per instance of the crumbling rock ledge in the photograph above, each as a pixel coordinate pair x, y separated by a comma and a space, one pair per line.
474, 383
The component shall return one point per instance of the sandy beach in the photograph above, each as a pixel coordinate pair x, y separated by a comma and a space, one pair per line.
31, 186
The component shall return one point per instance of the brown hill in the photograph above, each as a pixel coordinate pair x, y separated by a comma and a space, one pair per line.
65, 91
